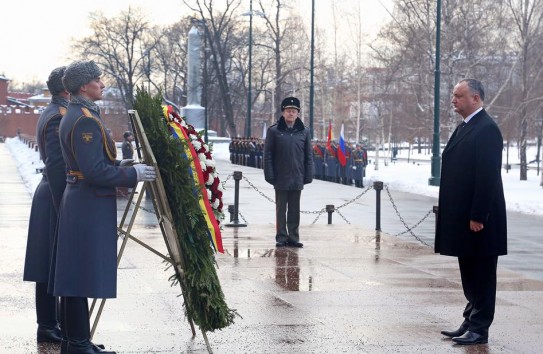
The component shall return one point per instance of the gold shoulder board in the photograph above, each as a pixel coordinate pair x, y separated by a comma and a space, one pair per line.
86, 112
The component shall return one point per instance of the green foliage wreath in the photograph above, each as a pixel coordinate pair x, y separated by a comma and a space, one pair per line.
204, 302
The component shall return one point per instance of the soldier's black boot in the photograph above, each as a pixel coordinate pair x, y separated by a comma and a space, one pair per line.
78, 328
46, 313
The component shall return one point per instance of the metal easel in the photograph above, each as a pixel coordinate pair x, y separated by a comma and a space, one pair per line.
164, 217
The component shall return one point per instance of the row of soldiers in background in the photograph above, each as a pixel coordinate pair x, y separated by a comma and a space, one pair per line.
247, 152
329, 168
250, 152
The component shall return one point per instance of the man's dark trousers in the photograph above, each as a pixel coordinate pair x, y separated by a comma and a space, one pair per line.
479, 283
287, 211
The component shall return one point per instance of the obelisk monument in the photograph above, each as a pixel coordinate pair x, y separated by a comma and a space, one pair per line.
193, 111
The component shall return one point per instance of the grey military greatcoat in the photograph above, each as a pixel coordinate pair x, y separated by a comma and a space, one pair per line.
86, 262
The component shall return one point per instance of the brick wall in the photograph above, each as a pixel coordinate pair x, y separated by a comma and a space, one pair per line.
24, 120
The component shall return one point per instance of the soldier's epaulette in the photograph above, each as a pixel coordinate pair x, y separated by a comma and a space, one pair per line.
86, 112
62, 110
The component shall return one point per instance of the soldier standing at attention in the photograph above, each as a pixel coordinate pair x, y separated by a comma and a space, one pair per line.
288, 166
45, 207
86, 259
127, 148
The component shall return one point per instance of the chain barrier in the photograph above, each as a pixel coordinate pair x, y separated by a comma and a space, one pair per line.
323, 210
241, 215
355, 198
320, 212
223, 183
143, 208
408, 229
259, 191
343, 217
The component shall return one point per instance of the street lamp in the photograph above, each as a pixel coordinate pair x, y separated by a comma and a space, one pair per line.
250, 13
312, 69
539, 125
436, 148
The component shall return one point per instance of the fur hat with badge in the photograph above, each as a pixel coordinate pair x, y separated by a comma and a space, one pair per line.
290, 102
79, 73
54, 82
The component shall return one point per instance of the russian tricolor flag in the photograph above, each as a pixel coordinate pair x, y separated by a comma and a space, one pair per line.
341, 150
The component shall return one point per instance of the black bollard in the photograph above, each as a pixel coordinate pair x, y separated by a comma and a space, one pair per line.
378, 186
231, 211
330, 209
235, 223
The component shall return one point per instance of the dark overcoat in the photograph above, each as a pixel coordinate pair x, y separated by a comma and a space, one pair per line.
46, 200
471, 189
288, 156
86, 260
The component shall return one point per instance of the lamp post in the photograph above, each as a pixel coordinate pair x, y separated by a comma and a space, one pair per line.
312, 67
436, 148
250, 13
250, 68
539, 125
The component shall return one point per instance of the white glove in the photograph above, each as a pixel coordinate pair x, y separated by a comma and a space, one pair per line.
145, 173
126, 162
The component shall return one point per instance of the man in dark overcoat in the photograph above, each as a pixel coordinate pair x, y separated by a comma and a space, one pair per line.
471, 223
288, 166
45, 207
86, 257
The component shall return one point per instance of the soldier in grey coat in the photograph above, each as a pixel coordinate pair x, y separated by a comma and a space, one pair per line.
288, 165
45, 207
86, 260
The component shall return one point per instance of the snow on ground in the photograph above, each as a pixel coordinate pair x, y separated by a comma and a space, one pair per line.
521, 196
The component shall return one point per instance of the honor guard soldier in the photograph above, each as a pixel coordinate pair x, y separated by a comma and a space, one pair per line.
359, 168
318, 160
86, 259
331, 164
45, 207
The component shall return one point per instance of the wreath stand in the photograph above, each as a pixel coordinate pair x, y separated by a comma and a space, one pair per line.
164, 217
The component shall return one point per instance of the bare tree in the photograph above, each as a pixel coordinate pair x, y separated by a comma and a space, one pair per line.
528, 17
118, 45
220, 32
169, 61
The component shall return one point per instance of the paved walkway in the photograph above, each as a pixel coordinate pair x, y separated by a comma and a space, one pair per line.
350, 290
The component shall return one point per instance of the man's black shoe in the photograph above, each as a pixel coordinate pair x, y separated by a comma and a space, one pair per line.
64, 346
85, 347
470, 338
49, 335
456, 333
295, 244
281, 244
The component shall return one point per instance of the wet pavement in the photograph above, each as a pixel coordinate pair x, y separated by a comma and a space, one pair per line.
349, 290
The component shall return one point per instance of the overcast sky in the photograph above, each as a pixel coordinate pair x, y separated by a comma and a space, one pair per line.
36, 34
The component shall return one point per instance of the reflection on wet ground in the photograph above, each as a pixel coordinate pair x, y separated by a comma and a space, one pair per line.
287, 270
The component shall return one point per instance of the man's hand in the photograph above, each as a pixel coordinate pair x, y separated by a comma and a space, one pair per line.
475, 226
145, 173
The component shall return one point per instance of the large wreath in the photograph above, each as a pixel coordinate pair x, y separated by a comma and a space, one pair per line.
204, 299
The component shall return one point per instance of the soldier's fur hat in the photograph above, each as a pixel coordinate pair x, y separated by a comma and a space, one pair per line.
54, 82
79, 73
290, 102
